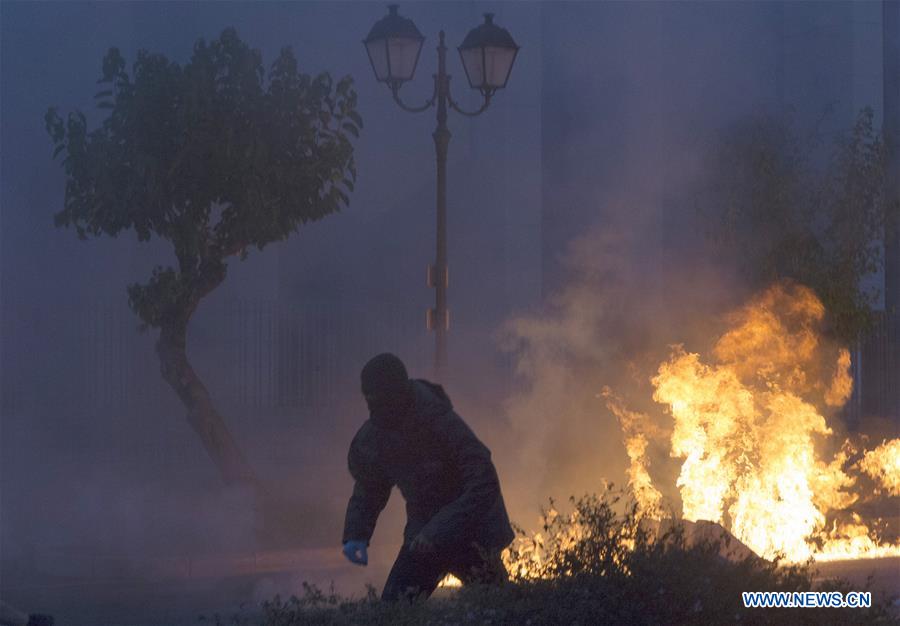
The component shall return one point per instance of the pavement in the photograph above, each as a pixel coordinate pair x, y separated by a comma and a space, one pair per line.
85, 590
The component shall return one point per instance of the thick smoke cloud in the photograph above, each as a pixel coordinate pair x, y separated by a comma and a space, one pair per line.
605, 328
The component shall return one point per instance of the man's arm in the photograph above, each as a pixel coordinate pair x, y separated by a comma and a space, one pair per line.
368, 500
481, 487
370, 495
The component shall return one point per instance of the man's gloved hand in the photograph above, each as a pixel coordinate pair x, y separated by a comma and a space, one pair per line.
422, 544
355, 551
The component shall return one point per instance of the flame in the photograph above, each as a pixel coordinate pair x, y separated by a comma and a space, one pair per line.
525, 561
636, 428
749, 426
842, 383
450, 581
883, 465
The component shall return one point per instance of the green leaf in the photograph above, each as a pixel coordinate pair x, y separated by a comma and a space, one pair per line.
208, 135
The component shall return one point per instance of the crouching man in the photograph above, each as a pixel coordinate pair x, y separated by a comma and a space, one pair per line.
456, 519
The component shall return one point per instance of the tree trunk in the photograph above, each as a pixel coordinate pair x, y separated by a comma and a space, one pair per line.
279, 522
202, 414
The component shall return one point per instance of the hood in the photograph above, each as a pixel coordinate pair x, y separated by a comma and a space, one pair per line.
431, 399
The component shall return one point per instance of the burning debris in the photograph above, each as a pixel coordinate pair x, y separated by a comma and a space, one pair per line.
749, 425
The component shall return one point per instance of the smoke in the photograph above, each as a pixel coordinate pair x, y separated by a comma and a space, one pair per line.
609, 326
614, 145
589, 361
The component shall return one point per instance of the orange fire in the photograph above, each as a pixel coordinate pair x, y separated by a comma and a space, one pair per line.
749, 424
450, 581
883, 465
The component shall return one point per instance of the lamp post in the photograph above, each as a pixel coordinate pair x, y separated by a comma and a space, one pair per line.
487, 55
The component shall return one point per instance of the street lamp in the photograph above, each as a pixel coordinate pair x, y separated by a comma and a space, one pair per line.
393, 45
487, 55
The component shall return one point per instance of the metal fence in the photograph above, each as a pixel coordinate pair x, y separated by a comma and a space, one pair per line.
251, 353
282, 357
117, 365
289, 356
264, 354
875, 380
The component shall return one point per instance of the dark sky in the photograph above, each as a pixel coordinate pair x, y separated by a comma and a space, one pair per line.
601, 129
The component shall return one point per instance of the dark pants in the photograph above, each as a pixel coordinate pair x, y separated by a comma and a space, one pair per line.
415, 575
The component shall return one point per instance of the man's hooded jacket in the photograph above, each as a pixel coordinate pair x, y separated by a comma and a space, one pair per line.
443, 471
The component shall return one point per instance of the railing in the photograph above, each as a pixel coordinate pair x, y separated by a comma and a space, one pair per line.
267, 355
251, 353
875, 381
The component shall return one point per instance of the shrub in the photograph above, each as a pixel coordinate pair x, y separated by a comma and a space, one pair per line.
595, 565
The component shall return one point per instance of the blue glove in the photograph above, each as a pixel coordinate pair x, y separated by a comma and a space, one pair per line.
355, 551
